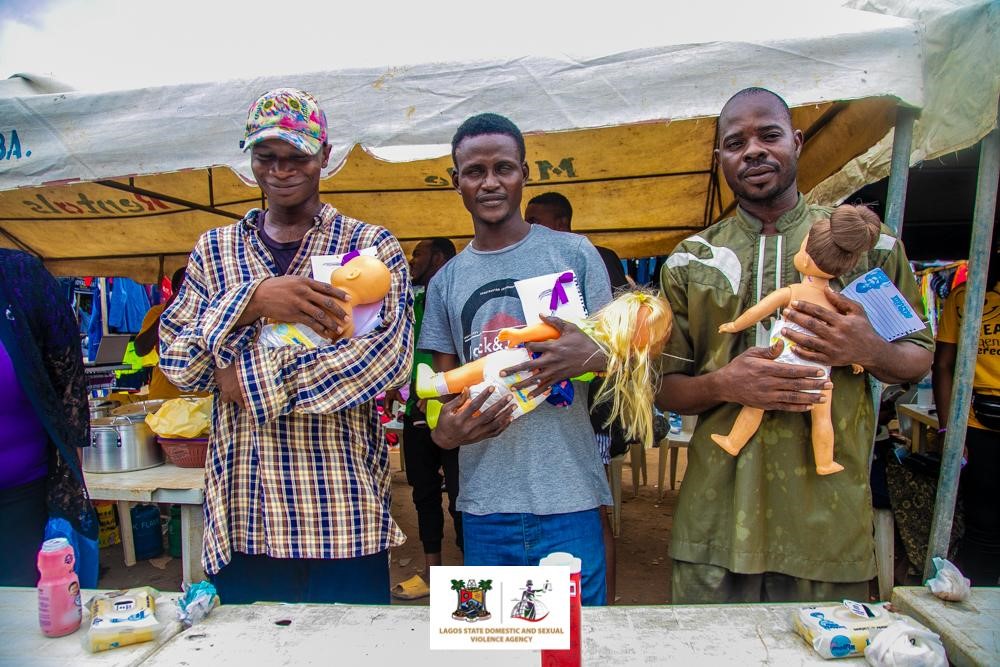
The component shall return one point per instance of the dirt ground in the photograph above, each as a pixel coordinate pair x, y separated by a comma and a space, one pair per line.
643, 571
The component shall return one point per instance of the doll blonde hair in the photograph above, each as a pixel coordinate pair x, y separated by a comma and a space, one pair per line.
631, 331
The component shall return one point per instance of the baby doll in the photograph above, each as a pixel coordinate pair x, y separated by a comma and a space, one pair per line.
631, 331
366, 281
831, 248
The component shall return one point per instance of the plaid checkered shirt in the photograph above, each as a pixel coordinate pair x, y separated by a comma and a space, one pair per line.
303, 472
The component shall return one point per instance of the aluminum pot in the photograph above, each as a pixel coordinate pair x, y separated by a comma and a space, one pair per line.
100, 407
140, 409
121, 444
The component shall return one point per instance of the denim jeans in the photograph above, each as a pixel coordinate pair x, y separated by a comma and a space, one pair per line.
524, 539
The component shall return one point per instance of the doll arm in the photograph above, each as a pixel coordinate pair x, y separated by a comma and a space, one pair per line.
434, 385
772, 302
533, 333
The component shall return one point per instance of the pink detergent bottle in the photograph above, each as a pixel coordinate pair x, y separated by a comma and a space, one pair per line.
59, 611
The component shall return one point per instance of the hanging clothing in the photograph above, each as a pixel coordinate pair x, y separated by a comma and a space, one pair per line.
127, 305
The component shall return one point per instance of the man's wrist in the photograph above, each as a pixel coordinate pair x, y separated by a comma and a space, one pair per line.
596, 363
716, 385
877, 348
440, 440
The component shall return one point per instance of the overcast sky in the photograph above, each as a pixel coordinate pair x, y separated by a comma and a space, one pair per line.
107, 44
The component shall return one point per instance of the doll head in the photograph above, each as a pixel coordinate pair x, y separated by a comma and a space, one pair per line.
635, 320
365, 278
632, 330
836, 244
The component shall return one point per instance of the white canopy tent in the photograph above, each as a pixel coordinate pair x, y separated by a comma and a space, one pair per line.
123, 182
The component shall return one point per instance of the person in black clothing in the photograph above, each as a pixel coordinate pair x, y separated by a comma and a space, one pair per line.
553, 210
424, 460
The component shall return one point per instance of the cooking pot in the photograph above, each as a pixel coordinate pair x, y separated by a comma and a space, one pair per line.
101, 407
140, 408
120, 444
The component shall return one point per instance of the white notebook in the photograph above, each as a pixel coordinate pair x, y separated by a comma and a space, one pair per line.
536, 297
888, 311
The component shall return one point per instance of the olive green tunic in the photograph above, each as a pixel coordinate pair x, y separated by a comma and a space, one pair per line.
767, 510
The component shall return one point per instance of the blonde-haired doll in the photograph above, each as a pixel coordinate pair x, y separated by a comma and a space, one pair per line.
832, 247
631, 330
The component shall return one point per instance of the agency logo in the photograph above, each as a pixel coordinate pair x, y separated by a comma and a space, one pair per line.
529, 607
471, 599
462, 598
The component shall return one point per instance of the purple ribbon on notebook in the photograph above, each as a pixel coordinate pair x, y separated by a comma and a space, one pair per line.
349, 256
559, 292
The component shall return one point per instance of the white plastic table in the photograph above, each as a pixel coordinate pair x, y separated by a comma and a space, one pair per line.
969, 630
312, 634
162, 484
22, 643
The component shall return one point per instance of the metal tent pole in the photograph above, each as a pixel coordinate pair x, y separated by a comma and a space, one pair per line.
968, 343
899, 168
899, 172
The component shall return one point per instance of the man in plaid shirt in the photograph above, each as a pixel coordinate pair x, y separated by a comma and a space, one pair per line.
297, 487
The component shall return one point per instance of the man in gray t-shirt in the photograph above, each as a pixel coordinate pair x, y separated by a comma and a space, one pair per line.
534, 485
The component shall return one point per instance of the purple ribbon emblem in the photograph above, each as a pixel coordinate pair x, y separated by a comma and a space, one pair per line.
559, 292
349, 256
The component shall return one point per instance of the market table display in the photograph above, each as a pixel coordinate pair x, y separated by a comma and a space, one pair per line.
313, 634
23, 644
969, 630
162, 484
310, 634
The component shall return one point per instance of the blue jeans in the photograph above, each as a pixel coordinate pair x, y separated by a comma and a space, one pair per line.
524, 539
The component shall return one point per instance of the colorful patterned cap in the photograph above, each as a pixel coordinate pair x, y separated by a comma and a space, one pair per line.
287, 114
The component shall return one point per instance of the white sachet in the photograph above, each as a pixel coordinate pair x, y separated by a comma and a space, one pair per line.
949, 583
903, 645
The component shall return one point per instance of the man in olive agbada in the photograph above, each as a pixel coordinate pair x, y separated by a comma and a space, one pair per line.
763, 525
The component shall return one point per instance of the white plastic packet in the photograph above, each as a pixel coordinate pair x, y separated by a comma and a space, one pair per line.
904, 645
949, 583
120, 618
843, 630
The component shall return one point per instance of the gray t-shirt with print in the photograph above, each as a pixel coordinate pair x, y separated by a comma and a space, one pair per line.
547, 461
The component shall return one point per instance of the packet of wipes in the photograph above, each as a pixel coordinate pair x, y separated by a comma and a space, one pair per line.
844, 630
120, 618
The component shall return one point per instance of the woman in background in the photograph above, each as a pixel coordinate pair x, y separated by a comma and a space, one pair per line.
44, 418
979, 550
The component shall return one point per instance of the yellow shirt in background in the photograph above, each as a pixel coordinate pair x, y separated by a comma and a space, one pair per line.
987, 376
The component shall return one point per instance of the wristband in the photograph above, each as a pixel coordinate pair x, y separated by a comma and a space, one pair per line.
942, 430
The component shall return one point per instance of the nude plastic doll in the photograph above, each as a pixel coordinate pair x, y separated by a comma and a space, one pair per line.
631, 330
832, 248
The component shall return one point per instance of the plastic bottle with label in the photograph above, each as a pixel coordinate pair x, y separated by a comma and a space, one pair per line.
59, 610
572, 656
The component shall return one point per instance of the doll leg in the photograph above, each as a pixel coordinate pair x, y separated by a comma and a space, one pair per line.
530, 334
822, 437
746, 424
432, 385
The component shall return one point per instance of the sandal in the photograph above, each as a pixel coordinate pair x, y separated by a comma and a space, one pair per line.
413, 588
